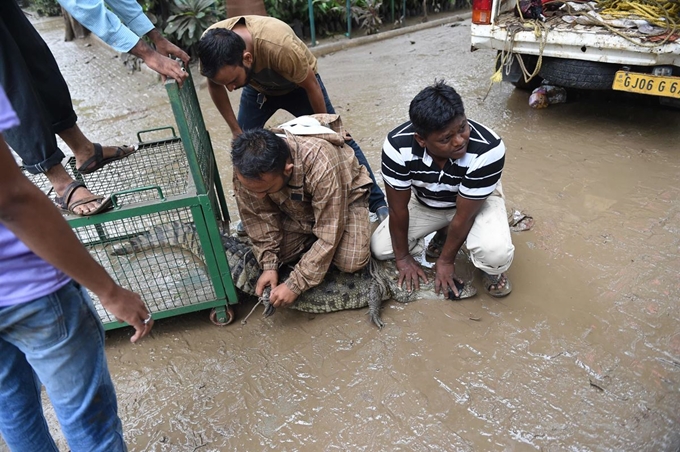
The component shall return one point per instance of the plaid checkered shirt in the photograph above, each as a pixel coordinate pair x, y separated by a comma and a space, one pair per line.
326, 179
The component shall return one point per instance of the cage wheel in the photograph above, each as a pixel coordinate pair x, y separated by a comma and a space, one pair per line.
230, 317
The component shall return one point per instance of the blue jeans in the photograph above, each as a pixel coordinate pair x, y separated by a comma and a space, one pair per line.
255, 109
57, 340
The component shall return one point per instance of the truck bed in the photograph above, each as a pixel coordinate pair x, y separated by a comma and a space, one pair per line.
577, 41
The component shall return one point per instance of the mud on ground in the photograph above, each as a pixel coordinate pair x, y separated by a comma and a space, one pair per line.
583, 355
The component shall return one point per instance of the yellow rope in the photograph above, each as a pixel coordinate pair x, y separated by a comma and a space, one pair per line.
662, 13
506, 55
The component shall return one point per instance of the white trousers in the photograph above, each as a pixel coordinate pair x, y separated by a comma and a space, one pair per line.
489, 243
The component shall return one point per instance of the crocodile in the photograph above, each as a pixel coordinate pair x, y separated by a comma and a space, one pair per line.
338, 291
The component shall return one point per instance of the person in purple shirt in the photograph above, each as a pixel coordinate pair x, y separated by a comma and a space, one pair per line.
50, 333
38, 93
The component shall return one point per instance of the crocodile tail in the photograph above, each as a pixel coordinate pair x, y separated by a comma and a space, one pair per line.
374, 302
245, 271
175, 233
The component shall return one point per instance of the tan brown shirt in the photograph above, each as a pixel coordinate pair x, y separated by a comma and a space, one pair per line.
326, 179
282, 60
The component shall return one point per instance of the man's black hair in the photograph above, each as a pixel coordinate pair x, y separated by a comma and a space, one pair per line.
434, 108
259, 151
220, 47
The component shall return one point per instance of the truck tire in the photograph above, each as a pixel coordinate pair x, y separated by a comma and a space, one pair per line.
516, 77
530, 65
578, 73
527, 86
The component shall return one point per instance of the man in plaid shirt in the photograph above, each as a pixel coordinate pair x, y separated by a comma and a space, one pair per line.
302, 194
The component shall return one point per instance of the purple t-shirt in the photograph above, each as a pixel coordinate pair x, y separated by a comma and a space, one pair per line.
23, 275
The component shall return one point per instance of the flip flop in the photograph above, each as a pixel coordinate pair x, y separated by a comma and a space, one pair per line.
97, 161
64, 203
493, 280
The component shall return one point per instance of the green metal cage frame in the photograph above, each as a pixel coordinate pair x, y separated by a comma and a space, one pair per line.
204, 198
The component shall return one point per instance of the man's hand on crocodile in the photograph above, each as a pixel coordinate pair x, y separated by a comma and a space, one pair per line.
445, 278
267, 278
282, 297
410, 273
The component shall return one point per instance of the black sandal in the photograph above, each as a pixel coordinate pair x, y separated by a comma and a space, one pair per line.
64, 203
97, 161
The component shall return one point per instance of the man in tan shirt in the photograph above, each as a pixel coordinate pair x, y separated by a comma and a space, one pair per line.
302, 194
276, 70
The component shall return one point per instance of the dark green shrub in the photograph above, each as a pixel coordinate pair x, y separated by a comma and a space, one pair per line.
188, 20
44, 7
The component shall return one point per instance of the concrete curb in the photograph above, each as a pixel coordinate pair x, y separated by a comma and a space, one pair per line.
325, 49
347, 43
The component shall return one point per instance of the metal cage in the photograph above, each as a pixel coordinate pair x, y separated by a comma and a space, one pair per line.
167, 195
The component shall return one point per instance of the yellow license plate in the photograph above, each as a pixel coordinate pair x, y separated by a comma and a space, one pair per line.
653, 85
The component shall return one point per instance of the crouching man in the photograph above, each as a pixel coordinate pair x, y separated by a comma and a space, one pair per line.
453, 166
302, 196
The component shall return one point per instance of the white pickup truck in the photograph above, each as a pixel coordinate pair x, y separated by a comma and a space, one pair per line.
573, 52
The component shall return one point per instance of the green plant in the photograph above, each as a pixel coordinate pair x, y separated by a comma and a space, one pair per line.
46, 7
189, 19
152, 8
369, 18
366, 13
290, 11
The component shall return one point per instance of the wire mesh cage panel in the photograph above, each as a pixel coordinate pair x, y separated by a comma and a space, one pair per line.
158, 255
189, 119
161, 164
163, 238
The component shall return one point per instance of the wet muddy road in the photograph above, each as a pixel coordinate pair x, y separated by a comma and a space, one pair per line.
583, 355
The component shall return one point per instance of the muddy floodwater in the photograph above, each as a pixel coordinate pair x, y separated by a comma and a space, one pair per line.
584, 355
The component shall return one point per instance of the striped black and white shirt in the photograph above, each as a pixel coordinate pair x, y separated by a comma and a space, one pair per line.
406, 165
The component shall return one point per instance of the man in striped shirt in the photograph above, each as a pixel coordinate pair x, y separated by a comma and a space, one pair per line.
453, 167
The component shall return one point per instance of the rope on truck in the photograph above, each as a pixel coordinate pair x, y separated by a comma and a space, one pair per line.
505, 57
662, 13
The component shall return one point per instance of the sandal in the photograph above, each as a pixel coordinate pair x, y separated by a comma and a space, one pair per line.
98, 161
494, 281
436, 245
64, 203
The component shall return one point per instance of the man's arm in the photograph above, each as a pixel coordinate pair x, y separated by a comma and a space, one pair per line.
122, 28
30, 215
162, 64
314, 93
409, 270
220, 97
458, 230
167, 48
